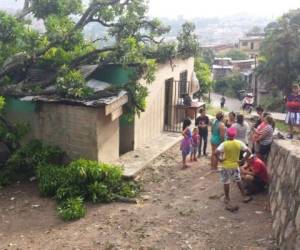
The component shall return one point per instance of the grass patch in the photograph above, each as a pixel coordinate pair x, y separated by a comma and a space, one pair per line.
281, 126
212, 110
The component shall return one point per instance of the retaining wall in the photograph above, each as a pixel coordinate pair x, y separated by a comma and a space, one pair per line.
284, 165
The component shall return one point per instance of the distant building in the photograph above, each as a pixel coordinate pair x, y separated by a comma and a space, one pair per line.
251, 45
222, 67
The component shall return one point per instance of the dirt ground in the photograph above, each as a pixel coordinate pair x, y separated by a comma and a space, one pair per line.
177, 209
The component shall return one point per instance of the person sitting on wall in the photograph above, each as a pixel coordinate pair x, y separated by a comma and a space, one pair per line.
254, 175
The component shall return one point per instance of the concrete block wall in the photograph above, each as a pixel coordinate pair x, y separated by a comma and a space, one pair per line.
284, 164
80, 131
73, 128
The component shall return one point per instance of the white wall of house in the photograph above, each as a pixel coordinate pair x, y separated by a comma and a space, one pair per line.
150, 123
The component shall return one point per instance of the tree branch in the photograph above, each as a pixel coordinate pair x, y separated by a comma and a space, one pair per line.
89, 56
25, 11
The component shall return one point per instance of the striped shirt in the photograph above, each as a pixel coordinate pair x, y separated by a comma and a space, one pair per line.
267, 133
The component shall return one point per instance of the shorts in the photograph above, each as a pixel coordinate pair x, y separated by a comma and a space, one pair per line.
228, 175
264, 149
194, 149
292, 118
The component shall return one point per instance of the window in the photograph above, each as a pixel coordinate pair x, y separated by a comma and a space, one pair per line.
252, 45
183, 83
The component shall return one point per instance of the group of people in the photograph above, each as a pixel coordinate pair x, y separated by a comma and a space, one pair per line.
241, 149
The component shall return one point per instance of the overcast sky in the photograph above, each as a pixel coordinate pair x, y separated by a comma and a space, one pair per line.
207, 8
212, 8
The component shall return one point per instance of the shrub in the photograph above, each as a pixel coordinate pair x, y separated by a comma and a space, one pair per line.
51, 178
99, 192
72, 209
34, 154
24, 162
90, 180
129, 189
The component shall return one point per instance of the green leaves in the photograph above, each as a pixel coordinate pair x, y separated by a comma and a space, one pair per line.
188, 43
72, 209
281, 52
235, 54
83, 180
203, 73
72, 84
44, 8
230, 85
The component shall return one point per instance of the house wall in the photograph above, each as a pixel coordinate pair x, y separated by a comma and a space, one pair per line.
247, 47
151, 122
80, 131
108, 134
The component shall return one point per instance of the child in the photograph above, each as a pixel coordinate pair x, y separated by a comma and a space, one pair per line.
293, 108
185, 145
195, 144
230, 165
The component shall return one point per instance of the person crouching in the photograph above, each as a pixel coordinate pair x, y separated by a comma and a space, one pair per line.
230, 165
254, 175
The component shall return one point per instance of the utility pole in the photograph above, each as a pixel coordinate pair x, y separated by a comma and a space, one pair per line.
255, 82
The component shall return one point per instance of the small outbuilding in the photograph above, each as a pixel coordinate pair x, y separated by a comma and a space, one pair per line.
97, 129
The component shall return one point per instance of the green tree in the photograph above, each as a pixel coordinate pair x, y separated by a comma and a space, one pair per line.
188, 42
280, 52
62, 49
208, 56
236, 54
230, 85
203, 73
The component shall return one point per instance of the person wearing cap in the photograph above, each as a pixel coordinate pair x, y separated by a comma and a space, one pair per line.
254, 174
230, 171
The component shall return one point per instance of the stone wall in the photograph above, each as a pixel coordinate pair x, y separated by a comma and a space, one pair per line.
284, 164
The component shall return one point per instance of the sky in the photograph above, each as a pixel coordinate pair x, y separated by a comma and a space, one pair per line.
206, 8
219, 8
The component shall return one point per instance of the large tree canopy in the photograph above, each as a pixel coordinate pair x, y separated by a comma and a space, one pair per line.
61, 48
280, 51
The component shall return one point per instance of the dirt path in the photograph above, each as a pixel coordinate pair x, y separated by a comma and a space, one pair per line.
174, 212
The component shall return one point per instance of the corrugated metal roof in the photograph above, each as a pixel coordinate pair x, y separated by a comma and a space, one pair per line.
89, 103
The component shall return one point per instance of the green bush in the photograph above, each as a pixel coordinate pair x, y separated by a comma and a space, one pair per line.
34, 154
65, 192
129, 189
24, 162
230, 85
51, 178
99, 192
72, 209
90, 180
274, 103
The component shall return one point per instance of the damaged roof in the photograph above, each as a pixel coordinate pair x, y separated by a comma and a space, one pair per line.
121, 96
